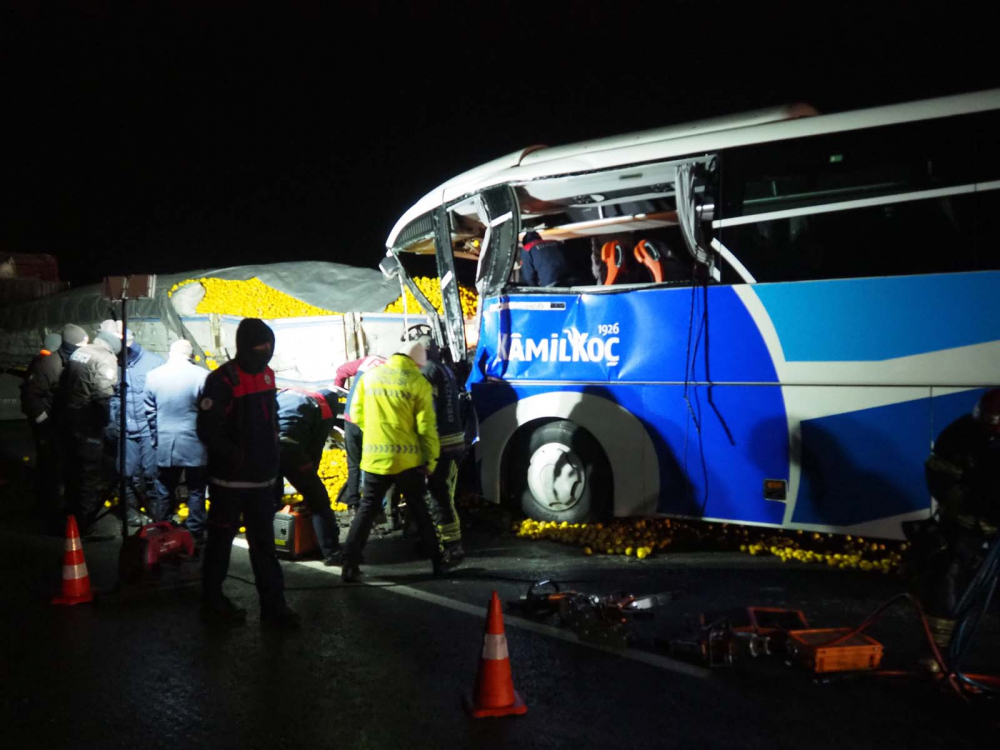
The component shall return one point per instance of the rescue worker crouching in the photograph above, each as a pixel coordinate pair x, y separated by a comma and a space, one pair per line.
238, 423
38, 392
963, 475
304, 423
394, 409
87, 386
451, 434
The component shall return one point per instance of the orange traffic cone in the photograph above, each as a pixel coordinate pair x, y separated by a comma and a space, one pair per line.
76, 580
494, 694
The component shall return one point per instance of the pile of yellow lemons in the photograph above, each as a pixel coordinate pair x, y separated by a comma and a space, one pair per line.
431, 288
255, 299
248, 299
333, 472
641, 537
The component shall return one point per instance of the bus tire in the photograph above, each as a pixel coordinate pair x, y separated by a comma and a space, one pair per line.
560, 473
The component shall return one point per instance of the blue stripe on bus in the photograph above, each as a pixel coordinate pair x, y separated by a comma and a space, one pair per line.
851, 320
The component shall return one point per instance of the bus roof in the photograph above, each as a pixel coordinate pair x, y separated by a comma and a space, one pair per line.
687, 139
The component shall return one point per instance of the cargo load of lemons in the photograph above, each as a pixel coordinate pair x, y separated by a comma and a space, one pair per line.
431, 288
642, 537
255, 299
249, 299
333, 473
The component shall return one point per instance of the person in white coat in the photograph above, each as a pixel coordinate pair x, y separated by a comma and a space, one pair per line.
172, 393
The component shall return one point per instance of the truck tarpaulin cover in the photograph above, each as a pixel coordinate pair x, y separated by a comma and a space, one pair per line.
331, 286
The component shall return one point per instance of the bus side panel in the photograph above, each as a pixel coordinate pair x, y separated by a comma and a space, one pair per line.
716, 447
862, 462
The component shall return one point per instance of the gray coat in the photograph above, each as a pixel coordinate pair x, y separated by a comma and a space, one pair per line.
172, 393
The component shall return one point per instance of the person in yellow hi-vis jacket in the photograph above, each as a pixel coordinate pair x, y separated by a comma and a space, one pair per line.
394, 407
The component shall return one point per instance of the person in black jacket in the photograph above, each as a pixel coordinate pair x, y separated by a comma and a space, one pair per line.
238, 423
84, 398
963, 475
451, 433
38, 393
304, 424
546, 263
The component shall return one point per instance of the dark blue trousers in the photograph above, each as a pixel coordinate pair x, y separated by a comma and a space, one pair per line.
257, 507
196, 478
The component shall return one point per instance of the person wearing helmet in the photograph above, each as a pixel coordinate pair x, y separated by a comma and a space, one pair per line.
963, 475
394, 408
451, 434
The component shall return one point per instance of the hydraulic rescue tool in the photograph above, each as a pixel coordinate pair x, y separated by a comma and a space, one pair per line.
599, 619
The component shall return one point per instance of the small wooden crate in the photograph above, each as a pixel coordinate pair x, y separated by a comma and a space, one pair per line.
857, 653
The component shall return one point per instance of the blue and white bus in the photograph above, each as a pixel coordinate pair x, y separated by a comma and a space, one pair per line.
776, 315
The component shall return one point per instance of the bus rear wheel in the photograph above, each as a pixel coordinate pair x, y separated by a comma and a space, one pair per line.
560, 473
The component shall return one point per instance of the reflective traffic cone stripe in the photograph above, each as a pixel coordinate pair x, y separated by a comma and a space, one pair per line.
76, 580
494, 693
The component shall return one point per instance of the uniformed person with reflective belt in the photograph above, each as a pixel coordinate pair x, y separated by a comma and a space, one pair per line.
238, 423
451, 434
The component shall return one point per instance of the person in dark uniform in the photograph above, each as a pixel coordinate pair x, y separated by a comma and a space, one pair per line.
238, 423
38, 392
85, 391
304, 424
546, 263
451, 435
963, 475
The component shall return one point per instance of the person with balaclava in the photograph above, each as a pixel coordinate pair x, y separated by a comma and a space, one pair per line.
394, 409
38, 392
143, 488
305, 420
238, 423
85, 392
171, 405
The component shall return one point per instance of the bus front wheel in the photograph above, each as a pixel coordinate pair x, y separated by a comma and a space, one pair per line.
560, 473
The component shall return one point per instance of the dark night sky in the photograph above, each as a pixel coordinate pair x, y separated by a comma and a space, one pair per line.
186, 138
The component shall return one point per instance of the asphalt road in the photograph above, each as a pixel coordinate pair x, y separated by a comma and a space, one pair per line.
386, 664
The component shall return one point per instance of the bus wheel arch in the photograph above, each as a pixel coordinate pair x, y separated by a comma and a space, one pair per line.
623, 439
557, 470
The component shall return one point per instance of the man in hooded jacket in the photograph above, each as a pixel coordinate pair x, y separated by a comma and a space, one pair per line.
141, 476
86, 388
238, 423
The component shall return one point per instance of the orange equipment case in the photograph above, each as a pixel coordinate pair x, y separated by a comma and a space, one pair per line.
856, 653
293, 531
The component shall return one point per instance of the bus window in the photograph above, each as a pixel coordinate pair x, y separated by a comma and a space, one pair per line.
937, 235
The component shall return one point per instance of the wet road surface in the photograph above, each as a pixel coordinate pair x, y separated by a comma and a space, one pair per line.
385, 664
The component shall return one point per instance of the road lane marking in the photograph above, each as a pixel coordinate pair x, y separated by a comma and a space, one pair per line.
643, 657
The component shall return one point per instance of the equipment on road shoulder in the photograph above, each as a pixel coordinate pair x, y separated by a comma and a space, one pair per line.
597, 619
494, 693
293, 532
75, 578
144, 553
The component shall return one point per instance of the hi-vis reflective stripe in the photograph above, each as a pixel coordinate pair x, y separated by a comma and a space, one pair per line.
241, 485
73, 544
72, 572
495, 646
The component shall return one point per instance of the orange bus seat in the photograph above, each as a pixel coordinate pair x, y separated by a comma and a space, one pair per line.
613, 257
648, 255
